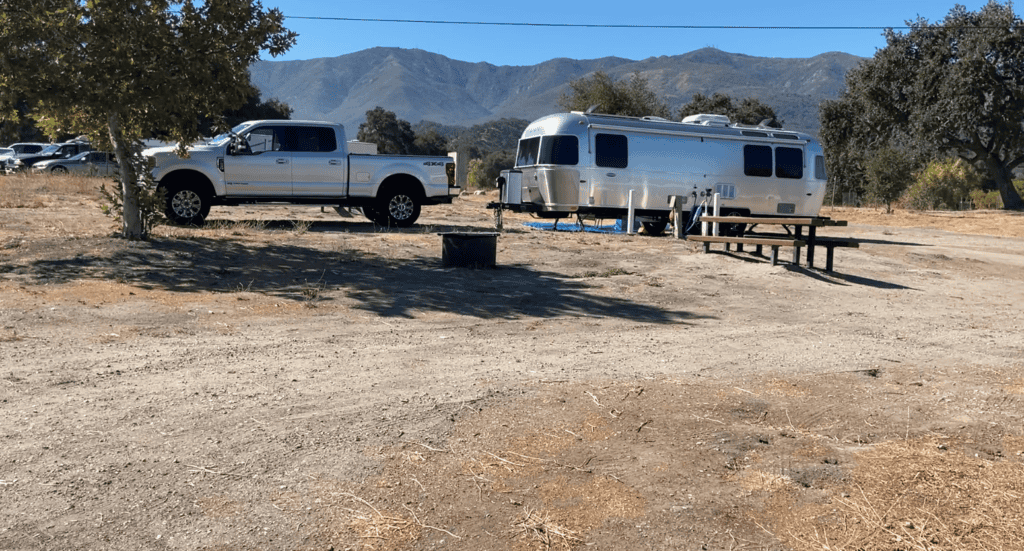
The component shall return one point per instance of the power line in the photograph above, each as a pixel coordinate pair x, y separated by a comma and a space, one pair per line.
602, 25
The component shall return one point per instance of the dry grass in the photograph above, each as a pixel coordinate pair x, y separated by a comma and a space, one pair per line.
34, 191
540, 527
911, 495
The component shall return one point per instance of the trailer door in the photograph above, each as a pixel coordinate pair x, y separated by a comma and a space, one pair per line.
610, 184
789, 173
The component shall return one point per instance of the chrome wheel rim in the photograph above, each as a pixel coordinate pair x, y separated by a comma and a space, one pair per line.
186, 204
401, 207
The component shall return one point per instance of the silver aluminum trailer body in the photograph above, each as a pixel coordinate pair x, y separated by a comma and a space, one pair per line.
587, 164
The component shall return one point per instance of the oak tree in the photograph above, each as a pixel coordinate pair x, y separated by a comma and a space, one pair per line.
632, 97
393, 136
951, 87
749, 111
120, 70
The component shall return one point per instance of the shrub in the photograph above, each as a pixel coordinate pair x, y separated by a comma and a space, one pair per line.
986, 199
888, 173
942, 185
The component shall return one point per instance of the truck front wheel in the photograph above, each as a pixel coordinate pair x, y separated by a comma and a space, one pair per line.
399, 208
187, 204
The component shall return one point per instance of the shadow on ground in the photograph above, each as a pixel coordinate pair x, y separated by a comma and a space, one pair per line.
391, 283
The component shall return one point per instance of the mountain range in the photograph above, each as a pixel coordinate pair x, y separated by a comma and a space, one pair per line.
422, 86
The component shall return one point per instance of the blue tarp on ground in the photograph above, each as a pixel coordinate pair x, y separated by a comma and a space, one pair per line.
570, 225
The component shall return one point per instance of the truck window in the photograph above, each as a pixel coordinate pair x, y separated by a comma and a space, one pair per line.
757, 160
528, 150
611, 151
310, 138
263, 139
560, 150
789, 162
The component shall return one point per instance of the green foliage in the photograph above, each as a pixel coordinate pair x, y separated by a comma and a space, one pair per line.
393, 136
482, 139
253, 109
749, 111
985, 200
118, 70
430, 142
942, 185
475, 174
632, 97
483, 172
889, 173
149, 198
955, 87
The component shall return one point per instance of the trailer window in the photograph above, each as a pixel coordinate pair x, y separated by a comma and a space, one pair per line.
560, 150
819, 168
789, 162
528, 149
757, 160
611, 150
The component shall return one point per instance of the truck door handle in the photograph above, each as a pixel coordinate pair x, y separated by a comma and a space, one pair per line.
334, 162
610, 175
282, 161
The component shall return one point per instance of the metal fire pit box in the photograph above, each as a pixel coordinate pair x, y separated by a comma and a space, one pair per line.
468, 250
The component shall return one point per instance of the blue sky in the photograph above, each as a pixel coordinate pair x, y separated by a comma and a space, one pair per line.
528, 45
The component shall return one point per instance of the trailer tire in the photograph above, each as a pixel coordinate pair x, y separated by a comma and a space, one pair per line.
729, 229
655, 228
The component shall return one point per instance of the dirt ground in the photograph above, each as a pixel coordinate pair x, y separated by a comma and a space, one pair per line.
288, 379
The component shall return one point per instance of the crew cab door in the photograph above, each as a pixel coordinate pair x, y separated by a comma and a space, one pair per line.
319, 163
258, 165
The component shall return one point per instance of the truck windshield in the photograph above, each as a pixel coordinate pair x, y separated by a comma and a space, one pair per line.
549, 150
221, 139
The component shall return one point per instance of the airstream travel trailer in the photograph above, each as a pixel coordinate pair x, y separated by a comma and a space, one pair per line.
587, 164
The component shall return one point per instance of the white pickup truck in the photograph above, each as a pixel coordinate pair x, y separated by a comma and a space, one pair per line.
303, 162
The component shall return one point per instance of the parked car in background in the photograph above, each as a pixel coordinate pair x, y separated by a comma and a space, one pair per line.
55, 151
12, 151
89, 163
28, 147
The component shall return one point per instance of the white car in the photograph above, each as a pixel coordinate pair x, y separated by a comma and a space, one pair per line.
89, 163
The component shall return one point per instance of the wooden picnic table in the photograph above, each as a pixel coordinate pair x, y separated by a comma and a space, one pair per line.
795, 238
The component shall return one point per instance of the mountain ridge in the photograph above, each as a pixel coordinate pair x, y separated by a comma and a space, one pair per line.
422, 86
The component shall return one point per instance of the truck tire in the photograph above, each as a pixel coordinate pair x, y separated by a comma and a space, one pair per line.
398, 207
373, 215
187, 204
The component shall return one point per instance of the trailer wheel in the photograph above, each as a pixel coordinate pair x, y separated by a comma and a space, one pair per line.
655, 228
729, 229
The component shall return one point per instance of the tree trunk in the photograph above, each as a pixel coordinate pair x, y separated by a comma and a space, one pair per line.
131, 224
1004, 179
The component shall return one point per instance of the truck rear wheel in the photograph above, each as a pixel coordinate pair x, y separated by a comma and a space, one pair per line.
187, 204
398, 208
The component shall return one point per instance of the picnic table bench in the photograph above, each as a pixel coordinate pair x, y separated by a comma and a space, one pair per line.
794, 238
